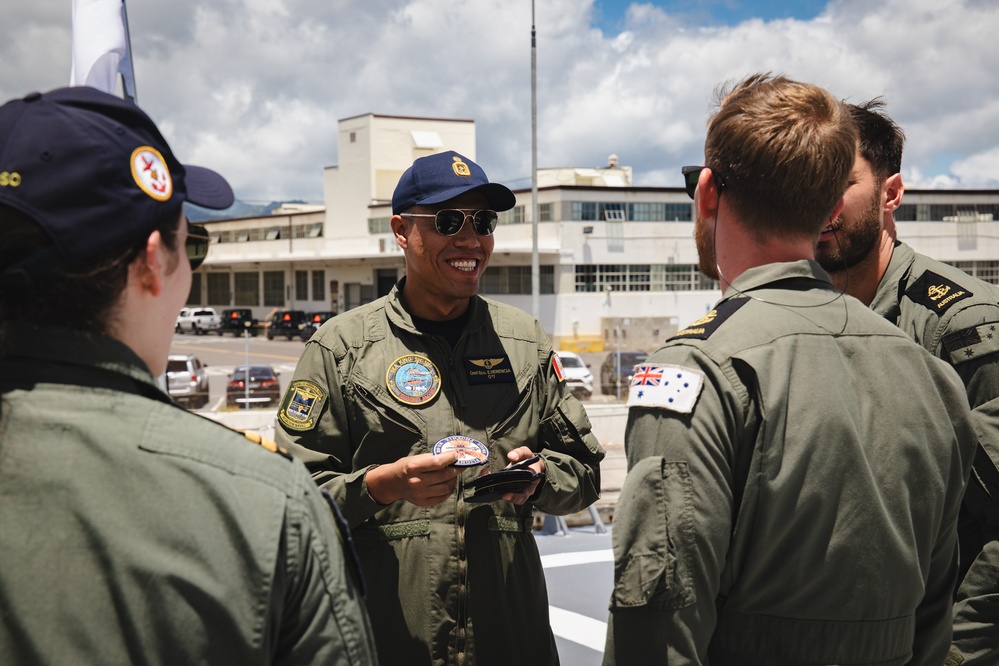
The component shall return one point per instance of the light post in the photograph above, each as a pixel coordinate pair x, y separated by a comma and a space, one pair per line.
246, 381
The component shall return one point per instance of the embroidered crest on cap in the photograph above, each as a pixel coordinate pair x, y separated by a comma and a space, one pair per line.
413, 379
302, 405
669, 386
151, 174
460, 168
936, 292
471, 452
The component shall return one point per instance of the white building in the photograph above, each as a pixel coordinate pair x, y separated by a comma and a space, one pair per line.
615, 259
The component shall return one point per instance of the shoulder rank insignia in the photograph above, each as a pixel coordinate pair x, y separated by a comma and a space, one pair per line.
671, 387
973, 342
936, 292
302, 404
710, 322
268, 444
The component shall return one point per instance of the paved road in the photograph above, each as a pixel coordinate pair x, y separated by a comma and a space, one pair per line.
579, 570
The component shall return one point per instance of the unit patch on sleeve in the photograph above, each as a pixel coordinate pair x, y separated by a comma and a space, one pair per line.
671, 387
489, 369
302, 404
710, 322
973, 342
936, 292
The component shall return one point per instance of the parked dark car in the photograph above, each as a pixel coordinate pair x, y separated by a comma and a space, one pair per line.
609, 371
238, 320
187, 380
253, 386
313, 321
286, 323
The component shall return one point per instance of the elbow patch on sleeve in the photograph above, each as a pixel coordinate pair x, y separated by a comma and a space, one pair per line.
653, 537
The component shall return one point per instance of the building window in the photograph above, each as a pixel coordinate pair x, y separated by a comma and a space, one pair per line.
247, 288
516, 280
272, 234
546, 212
218, 289
353, 137
194, 296
380, 225
513, 216
673, 212
301, 285
319, 285
274, 288
584, 211
986, 271
641, 277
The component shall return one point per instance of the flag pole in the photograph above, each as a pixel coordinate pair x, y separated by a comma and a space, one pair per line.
127, 69
535, 261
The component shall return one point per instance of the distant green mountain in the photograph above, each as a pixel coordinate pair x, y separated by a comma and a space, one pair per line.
238, 209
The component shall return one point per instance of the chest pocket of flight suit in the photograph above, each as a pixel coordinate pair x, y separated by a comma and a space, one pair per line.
387, 428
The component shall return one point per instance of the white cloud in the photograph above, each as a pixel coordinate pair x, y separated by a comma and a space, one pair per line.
254, 88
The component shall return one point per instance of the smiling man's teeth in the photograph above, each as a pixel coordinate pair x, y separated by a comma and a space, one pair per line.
468, 266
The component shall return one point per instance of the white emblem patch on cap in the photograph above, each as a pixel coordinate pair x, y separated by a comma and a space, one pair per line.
151, 174
668, 386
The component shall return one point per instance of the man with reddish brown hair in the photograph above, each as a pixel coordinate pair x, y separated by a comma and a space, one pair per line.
785, 502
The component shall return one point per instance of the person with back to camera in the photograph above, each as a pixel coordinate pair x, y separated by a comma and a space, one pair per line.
391, 403
134, 531
953, 316
796, 463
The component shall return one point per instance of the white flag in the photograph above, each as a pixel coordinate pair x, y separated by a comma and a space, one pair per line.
100, 46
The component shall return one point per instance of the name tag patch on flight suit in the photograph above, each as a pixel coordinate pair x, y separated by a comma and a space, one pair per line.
302, 405
936, 292
671, 387
710, 322
413, 379
471, 452
973, 342
488, 369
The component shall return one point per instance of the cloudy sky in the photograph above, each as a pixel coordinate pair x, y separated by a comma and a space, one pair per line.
254, 88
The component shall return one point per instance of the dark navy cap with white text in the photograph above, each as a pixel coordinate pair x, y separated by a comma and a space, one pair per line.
94, 172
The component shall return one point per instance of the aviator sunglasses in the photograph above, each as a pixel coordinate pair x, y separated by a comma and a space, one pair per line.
449, 221
197, 245
692, 173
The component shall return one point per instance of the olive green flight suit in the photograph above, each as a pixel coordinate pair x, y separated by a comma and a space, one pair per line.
796, 467
956, 317
456, 583
135, 532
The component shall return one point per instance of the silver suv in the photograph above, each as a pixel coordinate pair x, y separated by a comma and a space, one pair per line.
187, 380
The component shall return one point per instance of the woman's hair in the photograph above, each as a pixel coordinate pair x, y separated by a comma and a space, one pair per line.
82, 297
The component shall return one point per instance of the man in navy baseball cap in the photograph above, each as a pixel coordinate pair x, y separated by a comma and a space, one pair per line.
465, 380
94, 173
442, 176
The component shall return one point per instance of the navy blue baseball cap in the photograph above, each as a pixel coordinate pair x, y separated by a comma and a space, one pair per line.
94, 172
441, 177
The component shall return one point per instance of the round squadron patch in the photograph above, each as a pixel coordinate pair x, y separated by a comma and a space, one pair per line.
471, 452
413, 379
151, 174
